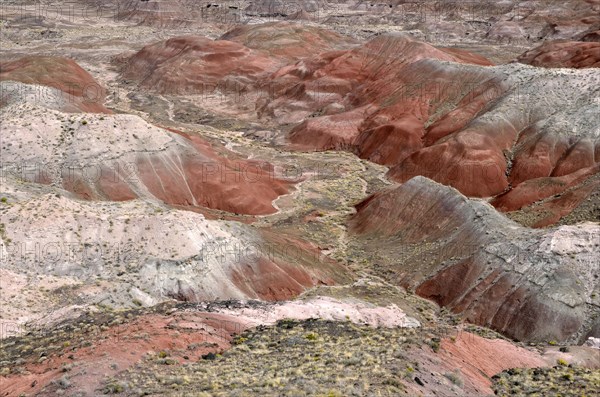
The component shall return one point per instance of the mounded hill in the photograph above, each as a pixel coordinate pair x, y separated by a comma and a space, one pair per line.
122, 157
288, 40
485, 130
140, 253
530, 284
564, 54
234, 64
197, 65
81, 92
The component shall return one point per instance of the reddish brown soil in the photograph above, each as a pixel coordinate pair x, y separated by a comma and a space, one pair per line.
198, 65
233, 64
61, 73
564, 54
466, 256
120, 347
479, 359
538, 189
287, 40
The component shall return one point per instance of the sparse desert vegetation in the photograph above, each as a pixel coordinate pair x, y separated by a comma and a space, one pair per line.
561, 380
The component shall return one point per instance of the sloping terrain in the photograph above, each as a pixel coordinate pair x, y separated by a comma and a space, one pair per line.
288, 40
277, 360
77, 86
131, 158
335, 78
206, 198
164, 14
491, 22
418, 109
197, 65
121, 253
564, 54
236, 64
529, 284
561, 379
506, 130
181, 346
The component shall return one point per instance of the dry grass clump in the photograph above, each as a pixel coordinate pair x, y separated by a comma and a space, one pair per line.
563, 380
307, 358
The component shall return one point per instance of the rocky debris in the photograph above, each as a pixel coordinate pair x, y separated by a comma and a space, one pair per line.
564, 54
535, 285
593, 342
325, 308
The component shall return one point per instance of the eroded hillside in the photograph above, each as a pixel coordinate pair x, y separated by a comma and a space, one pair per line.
267, 198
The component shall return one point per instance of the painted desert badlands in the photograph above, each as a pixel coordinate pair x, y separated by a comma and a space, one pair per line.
300, 198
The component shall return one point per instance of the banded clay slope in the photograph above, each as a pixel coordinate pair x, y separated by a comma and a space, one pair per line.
482, 130
194, 64
121, 253
534, 285
553, 198
573, 205
233, 64
564, 54
122, 157
82, 93
330, 83
288, 40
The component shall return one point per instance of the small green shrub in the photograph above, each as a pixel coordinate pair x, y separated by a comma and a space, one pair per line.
562, 362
